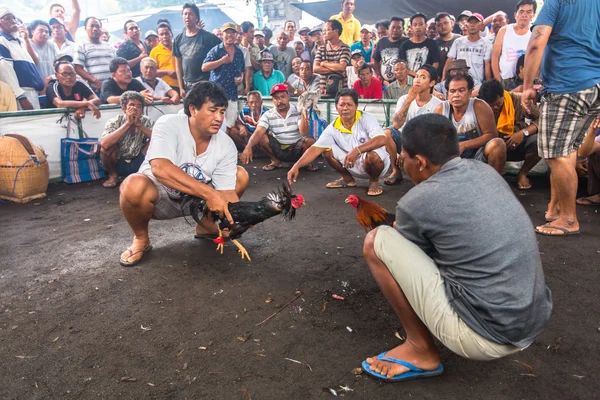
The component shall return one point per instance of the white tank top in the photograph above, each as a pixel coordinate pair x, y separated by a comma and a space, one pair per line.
513, 47
467, 128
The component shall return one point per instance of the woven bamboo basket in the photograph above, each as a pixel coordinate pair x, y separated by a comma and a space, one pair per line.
21, 178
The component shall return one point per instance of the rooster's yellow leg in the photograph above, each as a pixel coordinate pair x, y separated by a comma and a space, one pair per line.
241, 249
221, 245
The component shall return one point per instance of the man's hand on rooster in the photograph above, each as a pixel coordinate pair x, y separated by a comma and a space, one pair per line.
218, 204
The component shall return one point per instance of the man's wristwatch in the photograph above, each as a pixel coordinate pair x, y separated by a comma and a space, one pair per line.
525, 132
295, 92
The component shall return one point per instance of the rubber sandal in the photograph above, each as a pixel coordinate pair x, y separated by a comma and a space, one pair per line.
339, 184
110, 185
413, 373
523, 187
312, 167
375, 190
132, 253
392, 180
565, 231
585, 201
271, 167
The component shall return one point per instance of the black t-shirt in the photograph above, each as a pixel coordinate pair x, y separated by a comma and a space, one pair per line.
193, 50
417, 54
80, 92
129, 50
444, 48
110, 88
387, 53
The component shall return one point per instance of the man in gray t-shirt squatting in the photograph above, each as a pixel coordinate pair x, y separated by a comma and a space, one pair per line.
462, 263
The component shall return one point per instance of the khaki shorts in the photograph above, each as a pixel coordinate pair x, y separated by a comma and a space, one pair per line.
358, 170
420, 280
165, 207
231, 114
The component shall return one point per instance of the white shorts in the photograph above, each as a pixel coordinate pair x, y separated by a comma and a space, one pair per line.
421, 282
358, 169
231, 114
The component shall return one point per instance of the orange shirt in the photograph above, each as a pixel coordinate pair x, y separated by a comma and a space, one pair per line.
166, 60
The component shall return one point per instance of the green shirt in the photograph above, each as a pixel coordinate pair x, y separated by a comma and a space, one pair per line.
264, 85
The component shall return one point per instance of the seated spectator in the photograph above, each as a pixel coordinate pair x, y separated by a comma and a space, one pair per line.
133, 49
367, 86
267, 77
474, 122
8, 103
519, 75
163, 55
295, 71
281, 133
481, 292
156, 86
66, 91
17, 67
356, 60
125, 139
365, 45
247, 120
353, 145
122, 81
151, 40
44, 49
513, 127
591, 149
400, 86
308, 80
59, 39
283, 55
93, 56
455, 67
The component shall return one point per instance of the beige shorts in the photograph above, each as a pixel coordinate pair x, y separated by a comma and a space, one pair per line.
420, 280
358, 170
231, 114
165, 207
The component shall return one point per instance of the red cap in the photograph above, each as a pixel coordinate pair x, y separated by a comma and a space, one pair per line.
280, 87
478, 16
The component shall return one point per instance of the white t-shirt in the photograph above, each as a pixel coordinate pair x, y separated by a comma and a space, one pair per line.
160, 89
414, 109
172, 140
352, 76
474, 53
364, 129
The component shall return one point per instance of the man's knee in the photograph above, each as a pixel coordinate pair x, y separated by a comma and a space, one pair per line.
373, 159
242, 178
111, 153
369, 244
309, 141
495, 147
328, 155
137, 188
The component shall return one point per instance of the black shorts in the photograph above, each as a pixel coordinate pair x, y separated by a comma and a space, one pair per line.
291, 153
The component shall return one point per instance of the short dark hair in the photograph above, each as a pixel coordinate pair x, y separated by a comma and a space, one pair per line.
164, 25
57, 64
115, 63
346, 92
384, 22
307, 62
397, 19
336, 26
363, 67
441, 15
418, 15
34, 24
432, 136
286, 22
490, 90
131, 95
460, 77
127, 22
520, 62
193, 7
521, 3
431, 70
246, 25
202, 93
85, 22
163, 21
268, 33
56, 5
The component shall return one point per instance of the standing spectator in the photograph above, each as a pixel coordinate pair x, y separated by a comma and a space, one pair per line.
571, 100
350, 26
217, 32
225, 62
365, 44
190, 49
475, 50
419, 50
289, 27
157, 87
356, 61
591, 149
445, 39
308, 43
105, 36
246, 84
400, 86
133, 49
59, 38
247, 119
499, 20
69, 92
259, 44
299, 48
17, 68
163, 55
462, 22
332, 59
296, 62
268, 36
247, 34
382, 26
150, 40
121, 81
45, 50
92, 56
246, 43
316, 34
58, 11
368, 86
511, 43
267, 77
432, 32
283, 55
387, 51
307, 81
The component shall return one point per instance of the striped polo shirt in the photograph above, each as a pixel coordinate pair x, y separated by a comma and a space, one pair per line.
334, 56
95, 58
285, 130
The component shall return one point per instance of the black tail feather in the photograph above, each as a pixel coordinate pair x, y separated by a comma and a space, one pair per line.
194, 206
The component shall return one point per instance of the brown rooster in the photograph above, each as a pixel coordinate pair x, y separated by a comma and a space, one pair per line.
369, 214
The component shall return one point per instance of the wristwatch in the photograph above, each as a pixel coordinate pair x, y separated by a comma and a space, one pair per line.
525, 132
295, 92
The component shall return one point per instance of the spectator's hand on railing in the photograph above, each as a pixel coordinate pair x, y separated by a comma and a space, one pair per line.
95, 111
148, 97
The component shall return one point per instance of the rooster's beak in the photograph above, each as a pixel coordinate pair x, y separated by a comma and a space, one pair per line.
346, 201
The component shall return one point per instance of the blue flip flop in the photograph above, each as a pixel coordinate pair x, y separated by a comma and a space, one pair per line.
414, 373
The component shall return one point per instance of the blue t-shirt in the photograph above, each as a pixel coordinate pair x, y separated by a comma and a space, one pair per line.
225, 75
264, 85
366, 54
570, 61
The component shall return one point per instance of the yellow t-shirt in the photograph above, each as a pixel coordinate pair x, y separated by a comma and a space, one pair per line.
165, 60
8, 102
350, 29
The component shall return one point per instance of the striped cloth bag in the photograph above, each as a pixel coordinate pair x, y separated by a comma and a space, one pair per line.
80, 158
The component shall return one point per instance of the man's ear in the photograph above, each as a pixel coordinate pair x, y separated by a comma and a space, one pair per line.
423, 162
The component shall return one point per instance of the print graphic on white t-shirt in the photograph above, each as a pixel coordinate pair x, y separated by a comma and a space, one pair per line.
415, 58
192, 170
388, 57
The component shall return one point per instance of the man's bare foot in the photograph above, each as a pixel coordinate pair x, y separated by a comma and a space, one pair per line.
111, 182
425, 359
552, 213
523, 182
559, 227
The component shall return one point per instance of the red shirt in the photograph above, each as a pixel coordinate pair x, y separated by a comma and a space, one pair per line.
374, 91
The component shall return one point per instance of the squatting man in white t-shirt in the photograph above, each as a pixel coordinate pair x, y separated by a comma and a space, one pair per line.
188, 153
353, 144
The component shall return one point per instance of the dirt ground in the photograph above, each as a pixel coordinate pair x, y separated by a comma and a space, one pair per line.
185, 324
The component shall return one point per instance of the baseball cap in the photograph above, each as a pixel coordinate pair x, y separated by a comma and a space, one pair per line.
229, 25
56, 21
280, 87
150, 33
366, 27
259, 33
266, 56
314, 30
356, 52
465, 13
476, 15
304, 29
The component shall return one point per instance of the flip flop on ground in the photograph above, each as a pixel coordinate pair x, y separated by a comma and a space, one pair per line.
340, 183
557, 230
271, 167
110, 183
392, 179
312, 167
132, 253
585, 201
375, 189
413, 373
521, 186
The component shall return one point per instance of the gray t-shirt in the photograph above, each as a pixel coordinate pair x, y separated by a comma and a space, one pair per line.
466, 218
474, 53
283, 59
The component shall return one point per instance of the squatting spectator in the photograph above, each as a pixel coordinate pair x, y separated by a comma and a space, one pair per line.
247, 120
93, 56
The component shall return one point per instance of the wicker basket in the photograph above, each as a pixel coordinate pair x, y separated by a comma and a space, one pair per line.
24, 170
